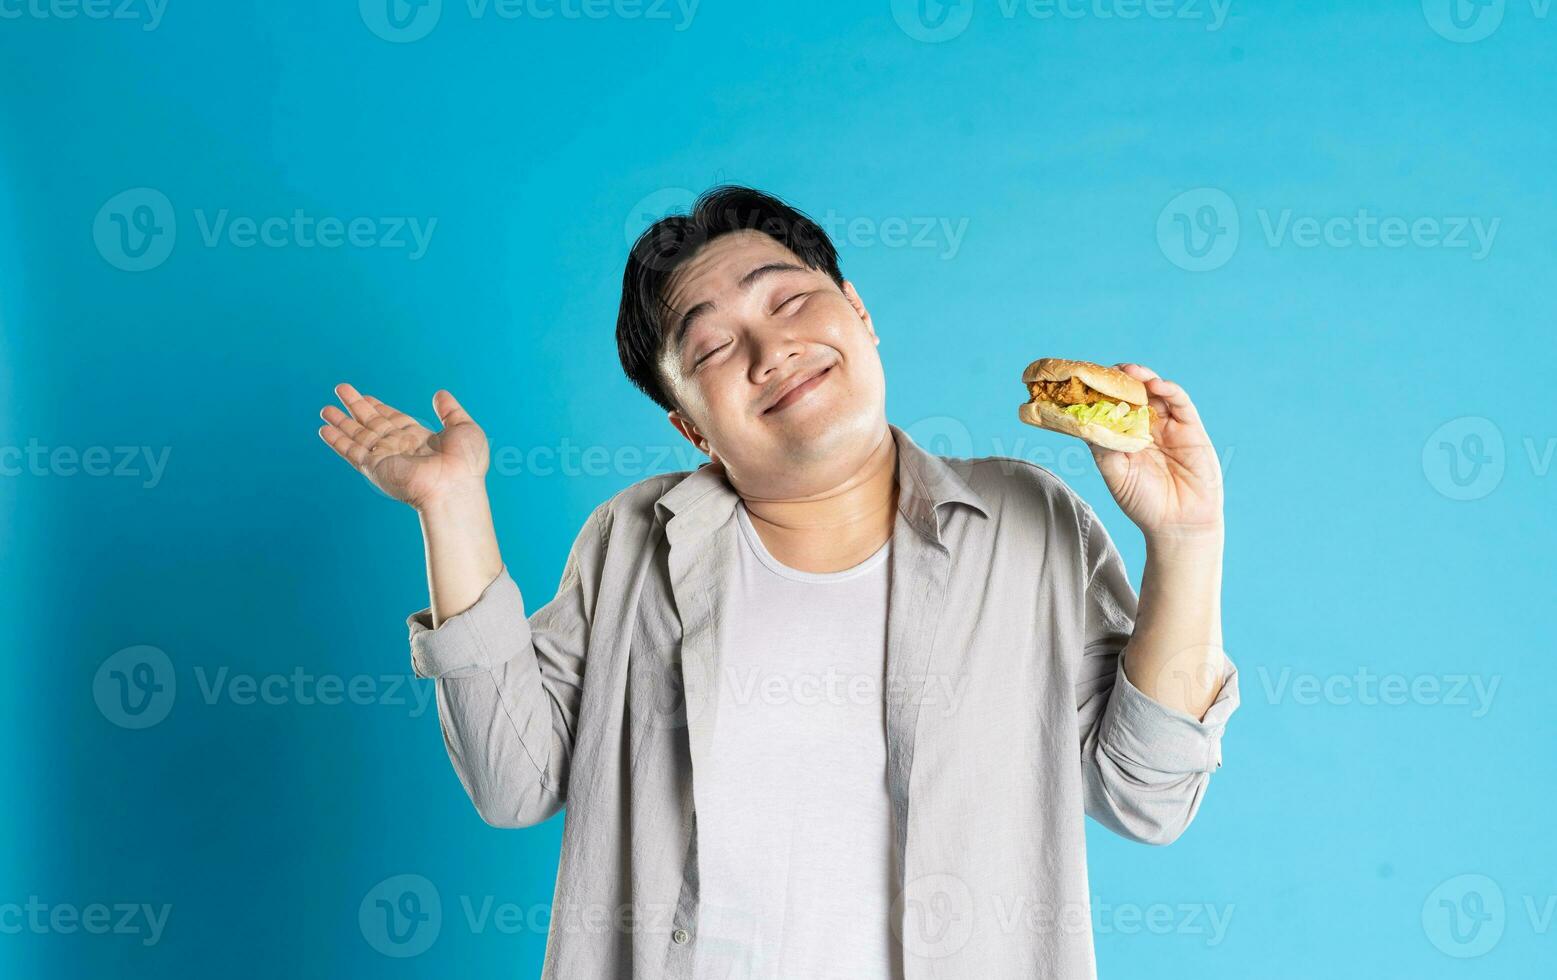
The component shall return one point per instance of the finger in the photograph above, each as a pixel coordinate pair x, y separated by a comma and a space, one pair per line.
448, 408
361, 409
345, 447
1136, 371
392, 415
1142, 373
348, 426
1111, 463
1176, 398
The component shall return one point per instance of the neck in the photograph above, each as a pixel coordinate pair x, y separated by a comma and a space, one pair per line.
838, 528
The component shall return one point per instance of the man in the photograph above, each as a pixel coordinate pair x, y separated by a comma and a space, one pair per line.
828, 705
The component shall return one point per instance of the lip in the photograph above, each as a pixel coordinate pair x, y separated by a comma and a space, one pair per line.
796, 392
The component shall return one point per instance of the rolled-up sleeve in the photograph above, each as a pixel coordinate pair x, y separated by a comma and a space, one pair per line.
509, 687
1146, 766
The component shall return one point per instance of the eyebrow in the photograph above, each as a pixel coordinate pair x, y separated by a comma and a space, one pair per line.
747, 282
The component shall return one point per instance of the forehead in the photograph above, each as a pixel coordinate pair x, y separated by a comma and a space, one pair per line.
718, 266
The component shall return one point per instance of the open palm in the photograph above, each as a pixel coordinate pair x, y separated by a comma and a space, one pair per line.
402, 457
1173, 486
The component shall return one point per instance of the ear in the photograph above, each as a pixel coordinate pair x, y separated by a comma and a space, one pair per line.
689, 430
853, 297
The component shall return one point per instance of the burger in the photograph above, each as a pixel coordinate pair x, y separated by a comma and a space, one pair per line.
1102, 405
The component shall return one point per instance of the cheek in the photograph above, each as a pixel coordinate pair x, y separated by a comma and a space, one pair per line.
839, 326
722, 392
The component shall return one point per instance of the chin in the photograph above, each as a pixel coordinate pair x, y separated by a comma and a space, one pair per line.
832, 429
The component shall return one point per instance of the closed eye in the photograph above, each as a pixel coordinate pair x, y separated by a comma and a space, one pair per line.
711, 353
791, 300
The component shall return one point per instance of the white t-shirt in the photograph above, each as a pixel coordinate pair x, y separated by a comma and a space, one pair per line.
794, 822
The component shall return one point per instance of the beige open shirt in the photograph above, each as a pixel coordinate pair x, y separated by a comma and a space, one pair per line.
1008, 716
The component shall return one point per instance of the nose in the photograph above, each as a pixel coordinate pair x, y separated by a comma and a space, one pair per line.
773, 354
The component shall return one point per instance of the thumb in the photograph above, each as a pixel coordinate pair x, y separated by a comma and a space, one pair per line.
448, 408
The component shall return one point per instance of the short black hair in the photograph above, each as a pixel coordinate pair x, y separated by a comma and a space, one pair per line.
668, 243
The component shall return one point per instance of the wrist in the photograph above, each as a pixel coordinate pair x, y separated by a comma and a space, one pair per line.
1186, 543
455, 503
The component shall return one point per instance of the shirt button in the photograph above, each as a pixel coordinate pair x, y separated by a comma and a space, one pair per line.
680, 936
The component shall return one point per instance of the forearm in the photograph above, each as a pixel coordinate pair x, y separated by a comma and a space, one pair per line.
1174, 655
462, 552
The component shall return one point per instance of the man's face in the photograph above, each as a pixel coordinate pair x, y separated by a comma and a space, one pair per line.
761, 322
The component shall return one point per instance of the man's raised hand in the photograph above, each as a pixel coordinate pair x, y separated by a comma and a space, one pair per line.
403, 458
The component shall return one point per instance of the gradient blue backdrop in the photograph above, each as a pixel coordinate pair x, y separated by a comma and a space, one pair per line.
1384, 415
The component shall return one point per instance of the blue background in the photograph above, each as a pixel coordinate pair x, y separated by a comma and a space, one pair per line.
1342, 384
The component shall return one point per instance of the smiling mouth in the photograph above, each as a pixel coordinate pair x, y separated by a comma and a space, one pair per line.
796, 393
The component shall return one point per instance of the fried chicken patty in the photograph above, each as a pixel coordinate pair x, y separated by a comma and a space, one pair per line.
1071, 391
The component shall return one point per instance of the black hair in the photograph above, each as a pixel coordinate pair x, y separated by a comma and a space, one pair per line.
668, 243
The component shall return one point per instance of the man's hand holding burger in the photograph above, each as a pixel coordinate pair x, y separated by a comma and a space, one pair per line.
1172, 488
1157, 460
1145, 436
